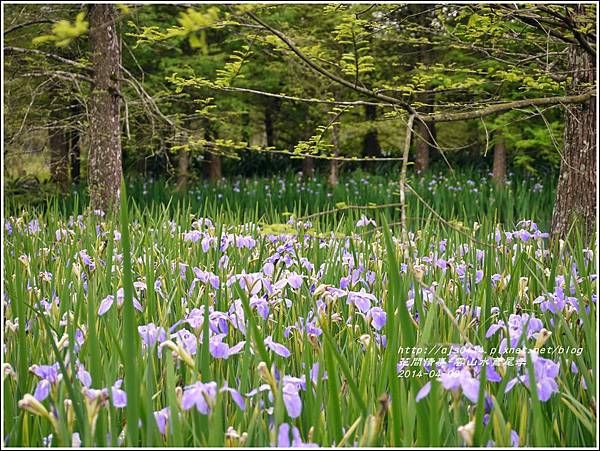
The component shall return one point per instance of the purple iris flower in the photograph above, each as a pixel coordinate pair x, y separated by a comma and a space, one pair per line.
200, 395
378, 317
309, 325
192, 236
34, 227
307, 264
277, 348
108, 301
251, 282
237, 317
283, 438
545, 371
370, 278
158, 288
207, 277
195, 318
207, 242
361, 300
150, 334
119, 397
188, 341
291, 399
443, 245
365, 221
344, 282
235, 395
49, 376
524, 235
496, 278
294, 280
424, 391
515, 329
478, 276
221, 350
84, 377
268, 269
464, 379
441, 263
462, 371
162, 418
261, 305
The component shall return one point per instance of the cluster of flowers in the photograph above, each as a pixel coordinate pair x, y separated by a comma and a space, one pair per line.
285, 275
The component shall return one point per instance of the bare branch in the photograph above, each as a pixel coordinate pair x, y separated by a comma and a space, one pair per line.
506, 106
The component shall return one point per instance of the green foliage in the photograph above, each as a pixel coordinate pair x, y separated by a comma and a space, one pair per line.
64, 32
232, 67
351, 34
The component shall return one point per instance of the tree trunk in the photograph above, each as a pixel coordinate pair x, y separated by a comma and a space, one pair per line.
371, 147
183, 164
74, 145
59, 158
308, 167
421, 147
105, 167
499, 168
214, 166
334, 165
576, 191
269, 132
212, 169
424, 133
75, 155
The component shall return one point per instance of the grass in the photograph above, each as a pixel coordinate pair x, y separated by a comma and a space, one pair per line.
319, 300
463, 197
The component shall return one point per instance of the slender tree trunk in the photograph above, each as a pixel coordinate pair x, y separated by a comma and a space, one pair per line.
424, 133
213, 161
183, 164
59, 158
269, 131
371, 147
245, 116
576, 191
214, 167
334, 165
499, 168
421, 147
105, 166
308, 167
75, 155
74, 146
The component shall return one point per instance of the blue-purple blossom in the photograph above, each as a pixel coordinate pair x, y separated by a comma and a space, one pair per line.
151, 334
545, 371
49, 376
200, 395
283, 438
162, 419
119, 397
291, 399
378, 317
364, 221
108, 301
221, 350
277, 348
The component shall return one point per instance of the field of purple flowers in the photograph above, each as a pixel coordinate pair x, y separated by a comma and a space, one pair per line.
162, 328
